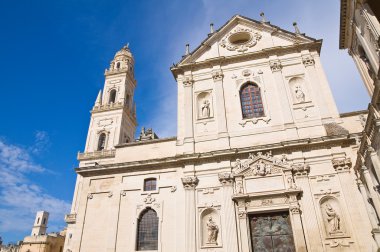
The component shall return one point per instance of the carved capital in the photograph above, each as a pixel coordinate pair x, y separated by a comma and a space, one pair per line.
295, 209
275, 65
188, 81
308, 61
301, 169
190, 182
217, 75
342, 164
226, 178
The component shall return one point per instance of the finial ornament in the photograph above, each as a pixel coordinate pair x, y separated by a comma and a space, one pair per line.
296, 28
263, 19
211, 28
187, 49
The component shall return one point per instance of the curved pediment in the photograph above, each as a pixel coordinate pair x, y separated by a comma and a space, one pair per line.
260, 164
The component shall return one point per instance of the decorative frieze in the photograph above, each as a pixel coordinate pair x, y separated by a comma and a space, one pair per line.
342, 164
190, 182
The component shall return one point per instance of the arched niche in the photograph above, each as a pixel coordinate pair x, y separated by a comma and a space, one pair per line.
204, 105
210, 228
298, 89
333, 217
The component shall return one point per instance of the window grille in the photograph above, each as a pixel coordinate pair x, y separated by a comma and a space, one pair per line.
147, 234
251, 102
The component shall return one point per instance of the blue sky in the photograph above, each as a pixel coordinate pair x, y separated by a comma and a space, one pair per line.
52, 59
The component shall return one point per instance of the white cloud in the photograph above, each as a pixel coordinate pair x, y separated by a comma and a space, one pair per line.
21, 198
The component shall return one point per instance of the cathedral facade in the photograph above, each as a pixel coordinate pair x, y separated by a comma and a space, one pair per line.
262, 160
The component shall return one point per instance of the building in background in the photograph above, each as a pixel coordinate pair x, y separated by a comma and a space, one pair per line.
262, 160
360, 34
40, 240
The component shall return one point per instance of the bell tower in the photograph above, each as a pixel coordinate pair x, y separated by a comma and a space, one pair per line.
113, 117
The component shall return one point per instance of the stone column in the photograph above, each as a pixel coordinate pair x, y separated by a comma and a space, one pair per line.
312, 235
298, 236
285, 103
188, 110
228, 214
220, 107
190, 183
372, 192
371, 213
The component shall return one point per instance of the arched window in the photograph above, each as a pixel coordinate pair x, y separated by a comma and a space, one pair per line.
150, 184
251, 102
112, 96
147, 230
117, 65
102, 141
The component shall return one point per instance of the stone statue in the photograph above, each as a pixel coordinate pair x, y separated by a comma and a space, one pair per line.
333, 219
206, 109
263, 169
300, 95
212, 231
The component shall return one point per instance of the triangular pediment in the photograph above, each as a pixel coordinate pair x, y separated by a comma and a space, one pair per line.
242, 35
260, 165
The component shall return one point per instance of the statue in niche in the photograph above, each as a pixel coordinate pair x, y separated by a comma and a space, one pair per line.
206, 109
333, 219
213, 230
291, 184
300, 95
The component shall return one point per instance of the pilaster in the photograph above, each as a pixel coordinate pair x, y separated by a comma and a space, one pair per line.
299, 240
229, 230
371, 188
312, 234
220, 107
188, 111
375, 161
371, 213
190, 183
285, 103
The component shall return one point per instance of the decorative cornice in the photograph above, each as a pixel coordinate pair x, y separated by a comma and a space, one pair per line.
190, 182
226, 178
281, 50
275, 65
308, 60
159, 163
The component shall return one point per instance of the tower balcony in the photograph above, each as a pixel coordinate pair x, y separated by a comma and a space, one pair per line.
108, 106
96, 155
71, 218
